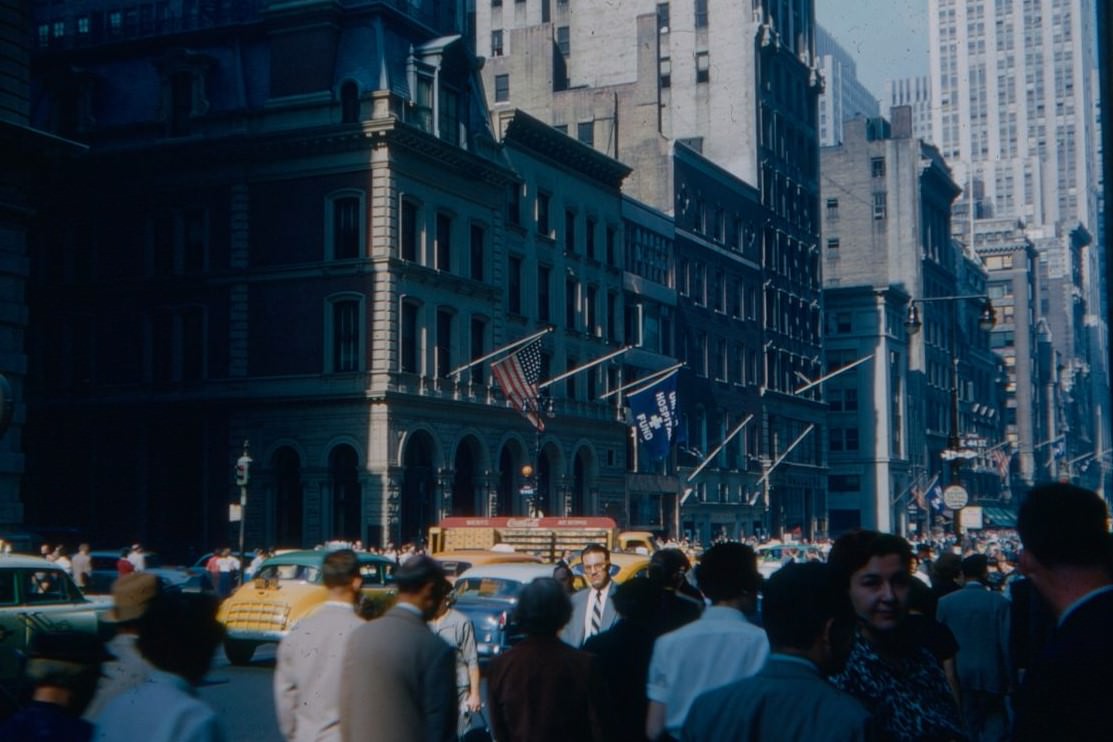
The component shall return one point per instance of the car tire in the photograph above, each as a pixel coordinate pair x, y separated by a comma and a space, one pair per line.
238, 652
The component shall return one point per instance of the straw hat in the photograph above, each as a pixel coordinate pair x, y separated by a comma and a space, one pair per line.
131, 594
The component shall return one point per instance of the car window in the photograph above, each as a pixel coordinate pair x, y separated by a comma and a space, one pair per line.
289, 572
7, 587
486, 587
45, 586
376, 573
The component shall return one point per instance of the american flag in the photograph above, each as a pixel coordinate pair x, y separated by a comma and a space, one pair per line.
1001, 459
517, 376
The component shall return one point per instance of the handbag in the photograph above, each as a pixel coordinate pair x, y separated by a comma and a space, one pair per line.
478, 729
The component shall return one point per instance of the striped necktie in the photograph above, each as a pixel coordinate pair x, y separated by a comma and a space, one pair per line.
597, 614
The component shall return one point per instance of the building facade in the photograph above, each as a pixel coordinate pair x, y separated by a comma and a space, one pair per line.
914, 92
843, 97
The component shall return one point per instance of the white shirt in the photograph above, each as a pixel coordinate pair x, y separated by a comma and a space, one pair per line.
164, 708
138, 560
718, 648
596, 596
127, 671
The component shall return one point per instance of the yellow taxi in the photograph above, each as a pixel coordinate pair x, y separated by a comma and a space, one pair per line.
458, 561
285, 589
624, 566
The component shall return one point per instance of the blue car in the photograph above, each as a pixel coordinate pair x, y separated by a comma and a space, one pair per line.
488, 595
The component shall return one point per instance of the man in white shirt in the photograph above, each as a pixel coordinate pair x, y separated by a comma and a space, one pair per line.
593, 610
310, 658
718, 648
131, 594
138, 557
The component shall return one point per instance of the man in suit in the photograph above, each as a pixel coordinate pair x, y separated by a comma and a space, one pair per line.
810, 626
398, 681
1067, 555
307, 674
979, 619
592, 609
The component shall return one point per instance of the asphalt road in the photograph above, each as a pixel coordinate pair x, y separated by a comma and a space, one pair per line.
243, 696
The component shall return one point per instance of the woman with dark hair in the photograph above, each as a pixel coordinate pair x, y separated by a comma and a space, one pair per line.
543, 690
897, 679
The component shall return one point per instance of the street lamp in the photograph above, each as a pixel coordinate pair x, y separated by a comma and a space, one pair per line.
954, 453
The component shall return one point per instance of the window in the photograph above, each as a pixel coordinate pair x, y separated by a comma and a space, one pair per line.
585, 132
612, 316
589, 236
448, 114
514, 284
832, 208
570, 382
478, 252
569, 231
611, 246
409, 236
844, 483
664, 68
570, 291
181, 103
408, 355
879, 205
543, 200
496, 43
514, 205
478, 347
663, 17
502, 88
703, 67
423, 102
444, 242
877, 167
345, 236
832, 243
544, 293
445, 319
701, 13
563, 40
344, 334
592, 310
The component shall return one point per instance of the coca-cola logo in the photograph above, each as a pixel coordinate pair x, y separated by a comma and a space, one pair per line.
522, 522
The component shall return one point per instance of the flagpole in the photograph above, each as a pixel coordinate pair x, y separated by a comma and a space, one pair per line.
663, 373
714, 453
784, 455
503, 349
587, 365
831, 375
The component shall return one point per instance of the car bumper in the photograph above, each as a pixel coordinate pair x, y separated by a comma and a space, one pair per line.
254, 636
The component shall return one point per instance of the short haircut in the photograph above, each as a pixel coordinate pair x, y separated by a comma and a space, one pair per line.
1065, 525
666, 564
853, 550
637, 600
417, 572
975, 566
543, 607
595, 549
798, 601
728, 571
179, 633
946, 568
340, 568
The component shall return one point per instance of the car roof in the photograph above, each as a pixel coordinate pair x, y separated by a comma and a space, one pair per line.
26, 560
315, 557
520, 571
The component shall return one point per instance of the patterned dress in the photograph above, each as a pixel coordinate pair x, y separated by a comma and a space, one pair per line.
908, 696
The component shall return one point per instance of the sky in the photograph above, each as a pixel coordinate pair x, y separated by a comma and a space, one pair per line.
888, 39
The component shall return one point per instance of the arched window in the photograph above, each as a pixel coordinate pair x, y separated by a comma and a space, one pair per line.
344, 333
345, 225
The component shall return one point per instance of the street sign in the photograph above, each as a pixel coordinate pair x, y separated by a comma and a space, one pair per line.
955, 497
972, 518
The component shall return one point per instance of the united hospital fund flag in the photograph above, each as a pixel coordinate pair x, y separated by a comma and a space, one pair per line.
517, 376
654, 413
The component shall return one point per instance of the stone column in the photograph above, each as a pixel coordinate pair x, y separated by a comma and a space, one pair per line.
444, 493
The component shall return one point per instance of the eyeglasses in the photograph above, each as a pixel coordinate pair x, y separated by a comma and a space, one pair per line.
599, 567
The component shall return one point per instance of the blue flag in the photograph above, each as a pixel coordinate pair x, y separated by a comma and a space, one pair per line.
654, 413
935, 498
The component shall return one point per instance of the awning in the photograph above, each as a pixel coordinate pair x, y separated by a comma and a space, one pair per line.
996, 517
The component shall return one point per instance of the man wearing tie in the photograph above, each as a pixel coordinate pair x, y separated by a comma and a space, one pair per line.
592, 609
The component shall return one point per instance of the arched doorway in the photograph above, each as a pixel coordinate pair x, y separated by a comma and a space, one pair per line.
419, 507
548, 466
510, 480
581, 484
466, 495
343, 467
286, 465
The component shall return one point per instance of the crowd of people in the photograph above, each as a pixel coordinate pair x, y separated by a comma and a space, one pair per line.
881, 641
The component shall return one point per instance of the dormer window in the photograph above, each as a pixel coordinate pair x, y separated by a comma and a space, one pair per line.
184, 94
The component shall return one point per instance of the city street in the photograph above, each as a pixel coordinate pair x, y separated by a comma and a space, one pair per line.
243, 696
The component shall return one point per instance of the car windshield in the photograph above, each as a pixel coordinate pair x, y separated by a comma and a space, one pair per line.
376, 573
46, 586
289, 573
486, 587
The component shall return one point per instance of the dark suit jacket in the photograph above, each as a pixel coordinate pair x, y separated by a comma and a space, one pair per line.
542, 690
573, 633
398, 682
787, 701
623, 653
979, 619
1065, 694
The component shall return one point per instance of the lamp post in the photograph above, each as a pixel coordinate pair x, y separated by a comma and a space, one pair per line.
954, 452
243, 476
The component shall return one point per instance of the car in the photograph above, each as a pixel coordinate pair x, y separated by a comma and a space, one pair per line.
287, 588
37, 595
487, 595
457, 562
771, 557
173, 578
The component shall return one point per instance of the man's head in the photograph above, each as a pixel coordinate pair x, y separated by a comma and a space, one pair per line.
946, 569
422, 583
668, 567
975, 567
873, 568
562, 573
131, 595
727, 572
64, 667
596, 560
806, 612
340, 573
83, 548
1061, 524
543, 608
637, 600
179, 633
